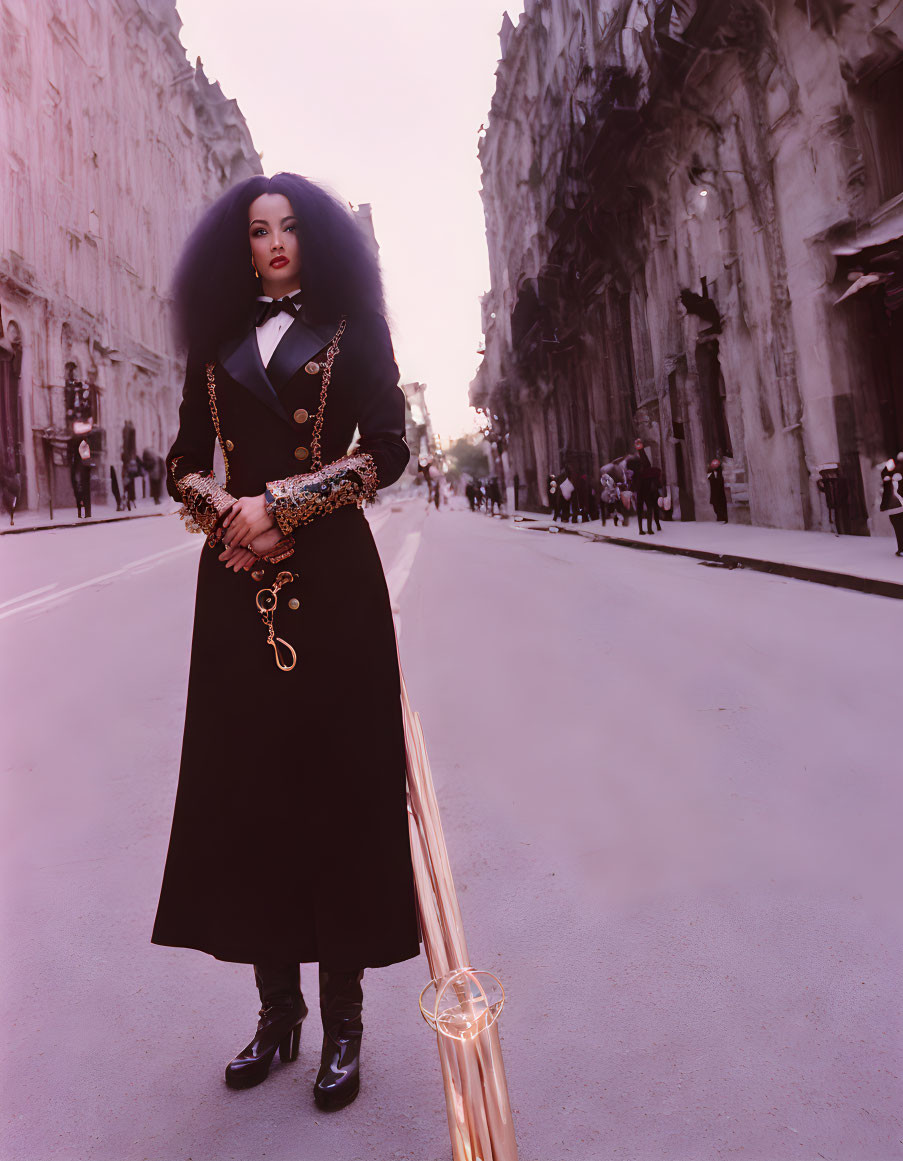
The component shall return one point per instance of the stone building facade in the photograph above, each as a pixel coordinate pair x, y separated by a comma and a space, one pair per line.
694, 212
420, 436
112, 144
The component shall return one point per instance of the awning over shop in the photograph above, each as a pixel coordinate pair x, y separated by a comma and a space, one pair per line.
886, 225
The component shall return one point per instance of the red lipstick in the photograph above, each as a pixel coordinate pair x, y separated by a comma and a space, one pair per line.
279, 260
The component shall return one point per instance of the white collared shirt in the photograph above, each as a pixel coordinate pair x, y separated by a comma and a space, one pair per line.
273, 329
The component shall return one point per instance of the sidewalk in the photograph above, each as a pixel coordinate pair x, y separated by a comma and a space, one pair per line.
28, 521
864, 563
36, 521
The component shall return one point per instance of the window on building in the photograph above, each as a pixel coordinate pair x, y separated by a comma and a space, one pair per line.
10, 411
882, 101
712, 396
627, 340
677, 419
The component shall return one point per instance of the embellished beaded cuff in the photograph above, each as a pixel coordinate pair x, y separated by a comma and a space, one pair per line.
299, 499
281, 550
205, 503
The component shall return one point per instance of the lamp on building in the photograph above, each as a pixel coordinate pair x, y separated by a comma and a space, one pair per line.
79, 405
493, 435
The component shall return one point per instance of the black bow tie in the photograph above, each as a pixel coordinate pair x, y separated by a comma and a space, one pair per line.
269, 310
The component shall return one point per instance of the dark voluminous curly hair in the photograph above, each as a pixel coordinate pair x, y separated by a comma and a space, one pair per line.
214, 287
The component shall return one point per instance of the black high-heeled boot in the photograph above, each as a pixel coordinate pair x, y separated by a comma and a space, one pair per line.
283, 1009
341, 1004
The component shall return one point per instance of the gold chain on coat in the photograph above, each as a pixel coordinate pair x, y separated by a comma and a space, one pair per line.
315, 461
211, 391
267, 598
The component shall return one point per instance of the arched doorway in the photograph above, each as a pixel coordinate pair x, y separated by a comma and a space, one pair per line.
12, 458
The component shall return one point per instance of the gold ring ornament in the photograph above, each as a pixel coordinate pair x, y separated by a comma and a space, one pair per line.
473, 1004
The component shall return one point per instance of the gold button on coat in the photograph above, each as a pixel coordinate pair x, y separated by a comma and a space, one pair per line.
294, 603
229, 445
312, 368
301, 416
301, 453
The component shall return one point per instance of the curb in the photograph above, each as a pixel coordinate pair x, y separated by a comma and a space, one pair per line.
83, 523
819, 576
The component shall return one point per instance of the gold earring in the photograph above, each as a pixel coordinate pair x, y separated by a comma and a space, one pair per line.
254, 268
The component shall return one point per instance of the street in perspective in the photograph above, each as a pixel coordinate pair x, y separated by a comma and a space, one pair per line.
681, 859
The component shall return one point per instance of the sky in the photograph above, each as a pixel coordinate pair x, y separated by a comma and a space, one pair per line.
382, 102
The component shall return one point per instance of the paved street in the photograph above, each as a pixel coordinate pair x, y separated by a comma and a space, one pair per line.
672, 799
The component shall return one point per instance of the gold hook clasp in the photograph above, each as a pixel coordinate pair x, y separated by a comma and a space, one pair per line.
294, 656
267, 599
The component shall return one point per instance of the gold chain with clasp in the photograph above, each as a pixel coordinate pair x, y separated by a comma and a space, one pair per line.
267, 599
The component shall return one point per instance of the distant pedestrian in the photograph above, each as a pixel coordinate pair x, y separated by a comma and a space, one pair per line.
131, 469
10, 486
471, 493
114, 488
717, 494
554, 496
593, 510
620, 475
609, 498
836, 492
80, 465
581, 512
516, 491
620, 469
566, 489
651, 491
892, 496
645, 487
155, 469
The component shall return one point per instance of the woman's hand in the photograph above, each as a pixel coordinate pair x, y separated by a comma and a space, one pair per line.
242, 558
247, 519
237, 558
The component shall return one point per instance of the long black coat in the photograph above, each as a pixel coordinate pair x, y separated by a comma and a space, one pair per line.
290, 835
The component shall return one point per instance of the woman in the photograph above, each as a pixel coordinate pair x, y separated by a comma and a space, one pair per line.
290, 836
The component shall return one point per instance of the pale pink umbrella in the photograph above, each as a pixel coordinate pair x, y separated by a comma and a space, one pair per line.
465, 1004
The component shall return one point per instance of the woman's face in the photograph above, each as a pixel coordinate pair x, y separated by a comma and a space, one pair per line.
273, 233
